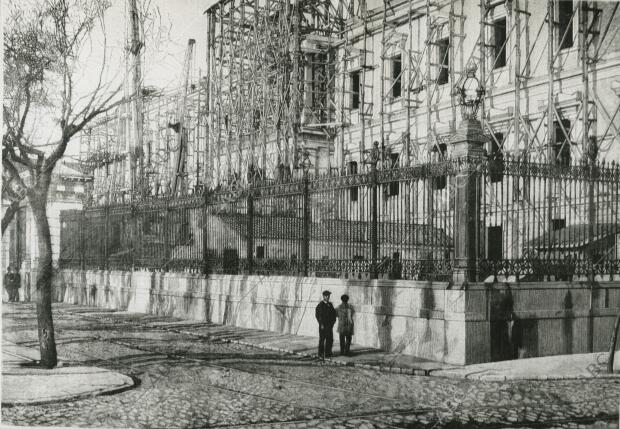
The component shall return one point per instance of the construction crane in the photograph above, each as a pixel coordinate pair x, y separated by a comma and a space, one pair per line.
179, 126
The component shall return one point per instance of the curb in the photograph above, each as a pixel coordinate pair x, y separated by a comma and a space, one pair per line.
455, 376
135, 382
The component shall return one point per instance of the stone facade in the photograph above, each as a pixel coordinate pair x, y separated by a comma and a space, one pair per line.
481, 323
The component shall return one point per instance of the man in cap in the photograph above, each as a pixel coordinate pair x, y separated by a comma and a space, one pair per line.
326, 316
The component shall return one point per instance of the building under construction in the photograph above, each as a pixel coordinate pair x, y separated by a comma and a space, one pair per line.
325, 139
323, 87
330, 78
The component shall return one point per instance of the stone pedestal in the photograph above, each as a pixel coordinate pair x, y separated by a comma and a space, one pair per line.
468, 150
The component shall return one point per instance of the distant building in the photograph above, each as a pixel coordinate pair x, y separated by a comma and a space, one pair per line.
19, 243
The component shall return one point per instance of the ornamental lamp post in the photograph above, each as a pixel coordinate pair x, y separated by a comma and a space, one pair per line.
305, 164
469, 138
470, 95
468, 152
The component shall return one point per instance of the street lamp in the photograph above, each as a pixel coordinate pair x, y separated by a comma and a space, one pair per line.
470, 94
375, 155
305, 164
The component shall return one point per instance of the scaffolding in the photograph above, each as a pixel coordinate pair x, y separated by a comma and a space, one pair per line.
330, 78
272, 76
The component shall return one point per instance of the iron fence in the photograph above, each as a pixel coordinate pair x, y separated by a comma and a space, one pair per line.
534, 221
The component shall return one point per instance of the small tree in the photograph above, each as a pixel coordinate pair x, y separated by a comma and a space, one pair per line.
42, 45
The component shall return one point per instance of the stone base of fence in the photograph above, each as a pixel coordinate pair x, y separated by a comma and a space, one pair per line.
426, 319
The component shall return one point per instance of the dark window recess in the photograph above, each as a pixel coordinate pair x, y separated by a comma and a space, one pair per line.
184, 234
565, 24
496, 159
260, 252
499, 43
557, 224
494, 243
562, 147
397, 68
521, 189
355, 90
230, 261
257, 119
439, 182
443, 61
394, 157
353, 189
393, 187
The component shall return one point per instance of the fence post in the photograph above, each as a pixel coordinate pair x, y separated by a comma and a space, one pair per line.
374, 244
305, 245
592, 176
106, 235
205, 243
82, 249
469, 152
250, 229
133, 232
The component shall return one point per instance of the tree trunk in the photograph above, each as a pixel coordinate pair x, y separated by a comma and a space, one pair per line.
47, 343
612, 346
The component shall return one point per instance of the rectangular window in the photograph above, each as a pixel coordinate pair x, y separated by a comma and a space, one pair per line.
565, 24
260, 252
496, 158
562, 147
439, 182
558, 224
443, 61
353, 189
355, 89
397, 68
499, 43
393, 187
494, 243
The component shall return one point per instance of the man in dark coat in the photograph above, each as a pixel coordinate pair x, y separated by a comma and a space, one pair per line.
326, 316
8, 282
12, 283
17, 283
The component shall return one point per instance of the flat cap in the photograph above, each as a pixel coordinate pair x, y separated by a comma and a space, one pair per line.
326, 292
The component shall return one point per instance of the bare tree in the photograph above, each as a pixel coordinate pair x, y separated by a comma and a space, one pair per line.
42, 45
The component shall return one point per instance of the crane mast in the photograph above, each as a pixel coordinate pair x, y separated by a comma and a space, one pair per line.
179, 126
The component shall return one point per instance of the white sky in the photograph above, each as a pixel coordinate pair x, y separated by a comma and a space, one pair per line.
175, 21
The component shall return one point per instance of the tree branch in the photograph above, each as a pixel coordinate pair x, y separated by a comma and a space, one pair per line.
69, 130
14, 174
9, 214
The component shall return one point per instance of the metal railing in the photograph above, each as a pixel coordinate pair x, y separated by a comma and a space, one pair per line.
536, 221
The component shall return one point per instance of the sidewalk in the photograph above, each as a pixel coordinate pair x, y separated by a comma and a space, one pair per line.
589, 365
23, 384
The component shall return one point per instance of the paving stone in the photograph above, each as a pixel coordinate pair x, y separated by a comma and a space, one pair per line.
189, 381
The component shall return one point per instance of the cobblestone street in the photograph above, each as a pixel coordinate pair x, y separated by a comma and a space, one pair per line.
196, 379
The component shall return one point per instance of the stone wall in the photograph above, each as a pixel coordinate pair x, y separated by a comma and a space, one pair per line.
429, 320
